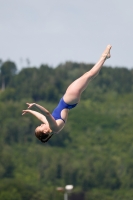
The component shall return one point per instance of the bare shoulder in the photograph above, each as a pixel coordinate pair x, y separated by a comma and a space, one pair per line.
60, 125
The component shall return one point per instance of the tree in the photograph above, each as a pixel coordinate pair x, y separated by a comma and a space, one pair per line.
8, 69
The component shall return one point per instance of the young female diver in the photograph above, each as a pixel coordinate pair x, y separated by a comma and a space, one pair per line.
55, 122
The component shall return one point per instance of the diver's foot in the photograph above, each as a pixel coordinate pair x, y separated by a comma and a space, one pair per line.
106, 54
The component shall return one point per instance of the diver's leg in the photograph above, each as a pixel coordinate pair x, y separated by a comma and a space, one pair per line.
75, 90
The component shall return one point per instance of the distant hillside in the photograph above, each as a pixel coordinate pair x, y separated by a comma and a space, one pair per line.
93, 152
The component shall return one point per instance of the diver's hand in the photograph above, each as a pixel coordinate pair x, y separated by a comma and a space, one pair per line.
30, 104
25, 111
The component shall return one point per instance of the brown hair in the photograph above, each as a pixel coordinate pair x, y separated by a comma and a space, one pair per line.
42, 136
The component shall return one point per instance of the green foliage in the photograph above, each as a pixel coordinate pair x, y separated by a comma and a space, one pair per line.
94, 152
8, 69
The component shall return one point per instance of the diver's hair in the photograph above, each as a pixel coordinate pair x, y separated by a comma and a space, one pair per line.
43, 137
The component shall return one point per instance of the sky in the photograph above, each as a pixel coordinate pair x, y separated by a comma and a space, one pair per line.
35, 32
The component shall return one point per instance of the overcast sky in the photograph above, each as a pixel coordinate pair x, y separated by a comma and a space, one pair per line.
55, 31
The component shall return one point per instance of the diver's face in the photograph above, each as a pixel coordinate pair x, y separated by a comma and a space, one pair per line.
44, 128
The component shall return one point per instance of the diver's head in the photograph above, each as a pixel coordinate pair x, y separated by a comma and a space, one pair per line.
43, 132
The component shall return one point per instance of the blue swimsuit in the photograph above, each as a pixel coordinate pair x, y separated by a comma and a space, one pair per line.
62, 105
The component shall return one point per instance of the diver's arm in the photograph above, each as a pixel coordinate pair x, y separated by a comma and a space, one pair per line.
54, 125
38, 115
41, 108
47, 118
